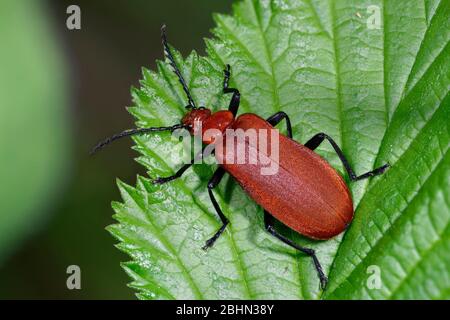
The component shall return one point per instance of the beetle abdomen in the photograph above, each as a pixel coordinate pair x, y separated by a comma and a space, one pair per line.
305, 192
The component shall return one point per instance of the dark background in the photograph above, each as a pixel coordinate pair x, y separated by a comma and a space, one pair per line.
104, 60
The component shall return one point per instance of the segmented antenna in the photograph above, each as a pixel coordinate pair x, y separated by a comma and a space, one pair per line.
177, 71
133, 132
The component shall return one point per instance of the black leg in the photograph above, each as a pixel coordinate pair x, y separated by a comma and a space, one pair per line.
179, 173
315, 141
236, 99
215, 180
277, 118
269, 225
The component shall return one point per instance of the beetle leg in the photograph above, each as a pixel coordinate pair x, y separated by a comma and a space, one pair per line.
315, 141
269, 225
277, 118
179, 173
215, 180
236, 99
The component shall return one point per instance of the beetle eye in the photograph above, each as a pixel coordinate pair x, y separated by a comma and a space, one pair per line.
201, 108
189, 107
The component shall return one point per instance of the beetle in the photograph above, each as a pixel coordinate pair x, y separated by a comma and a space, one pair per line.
306, 194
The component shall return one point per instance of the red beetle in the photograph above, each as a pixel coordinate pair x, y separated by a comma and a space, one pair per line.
306, 193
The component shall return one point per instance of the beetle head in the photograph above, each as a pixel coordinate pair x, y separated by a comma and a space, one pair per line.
195, 115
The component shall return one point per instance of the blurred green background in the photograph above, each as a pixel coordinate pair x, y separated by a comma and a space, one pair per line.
60, 92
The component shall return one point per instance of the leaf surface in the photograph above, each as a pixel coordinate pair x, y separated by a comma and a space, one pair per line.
381, 91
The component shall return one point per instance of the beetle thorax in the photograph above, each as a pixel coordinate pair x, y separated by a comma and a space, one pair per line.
209, 125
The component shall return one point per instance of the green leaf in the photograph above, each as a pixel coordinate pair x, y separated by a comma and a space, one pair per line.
382, 93
34, 137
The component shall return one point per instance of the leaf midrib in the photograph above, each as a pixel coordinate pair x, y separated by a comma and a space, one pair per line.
372, 185
274, 83
399, 214
408, 81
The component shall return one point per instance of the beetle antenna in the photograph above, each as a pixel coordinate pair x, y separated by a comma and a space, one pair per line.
177, 71
133, 132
